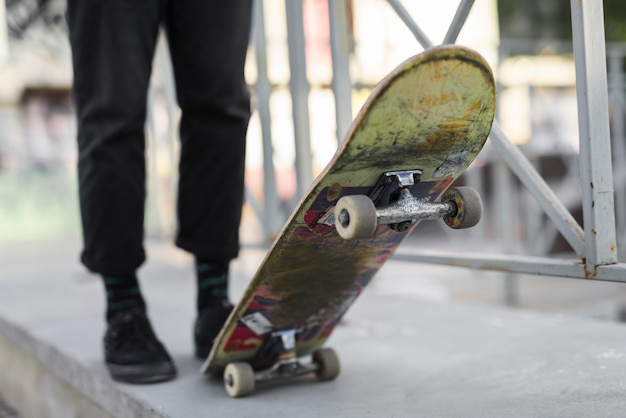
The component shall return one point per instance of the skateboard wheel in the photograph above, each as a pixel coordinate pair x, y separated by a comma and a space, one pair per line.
469, 207
239, 379
328, 364
355, 217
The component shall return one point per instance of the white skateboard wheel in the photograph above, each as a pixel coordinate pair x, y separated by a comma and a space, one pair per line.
355, 217
239, 379
469, 207
328, 364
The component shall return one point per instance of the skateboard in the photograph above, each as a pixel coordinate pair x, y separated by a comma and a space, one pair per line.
418, 131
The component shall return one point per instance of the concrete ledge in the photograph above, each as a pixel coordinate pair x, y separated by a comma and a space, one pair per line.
407, 349
42, 382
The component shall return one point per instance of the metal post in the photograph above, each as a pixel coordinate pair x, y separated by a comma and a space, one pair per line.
595, 140
271, 215
340, 44
299, 87
4, 37
618, 134
505, 221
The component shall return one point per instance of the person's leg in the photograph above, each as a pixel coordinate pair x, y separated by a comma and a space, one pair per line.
113, 43
208, 43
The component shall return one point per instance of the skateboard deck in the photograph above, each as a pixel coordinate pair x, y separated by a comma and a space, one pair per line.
427, 120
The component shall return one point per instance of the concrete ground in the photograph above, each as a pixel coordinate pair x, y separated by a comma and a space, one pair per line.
407, 349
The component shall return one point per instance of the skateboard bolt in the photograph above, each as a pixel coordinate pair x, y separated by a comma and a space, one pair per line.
403, 226
344, 218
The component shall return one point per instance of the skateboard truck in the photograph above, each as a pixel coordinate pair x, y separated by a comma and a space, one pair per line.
288, 364
240, 379
392, 203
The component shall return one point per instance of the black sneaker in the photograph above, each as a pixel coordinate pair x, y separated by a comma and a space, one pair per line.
132, 352
208, 325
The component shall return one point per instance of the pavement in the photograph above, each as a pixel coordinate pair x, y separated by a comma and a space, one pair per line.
407, 347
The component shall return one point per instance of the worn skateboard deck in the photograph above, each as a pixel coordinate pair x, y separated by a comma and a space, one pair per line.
433, 113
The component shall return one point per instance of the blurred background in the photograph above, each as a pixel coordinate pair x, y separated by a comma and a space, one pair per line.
528, 44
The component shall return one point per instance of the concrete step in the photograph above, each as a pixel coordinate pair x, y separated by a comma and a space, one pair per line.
42, 381
407, 349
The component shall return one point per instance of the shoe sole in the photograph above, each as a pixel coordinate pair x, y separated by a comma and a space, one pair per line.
143, 373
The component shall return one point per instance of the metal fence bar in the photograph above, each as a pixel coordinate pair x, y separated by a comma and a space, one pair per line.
340, 49
405, 16
536, 185
4, 36
458, 22
518, 264
595, 140
270, 213
299, 88
618, 134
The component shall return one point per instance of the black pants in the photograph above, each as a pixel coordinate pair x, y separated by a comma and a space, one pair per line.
113, 44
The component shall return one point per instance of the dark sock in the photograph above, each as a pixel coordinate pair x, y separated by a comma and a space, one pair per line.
123, 293
212, 283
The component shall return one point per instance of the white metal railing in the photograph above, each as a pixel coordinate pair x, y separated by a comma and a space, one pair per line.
595, 244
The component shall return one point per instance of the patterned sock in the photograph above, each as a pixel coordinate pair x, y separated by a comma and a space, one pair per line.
123, 293
212, 283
